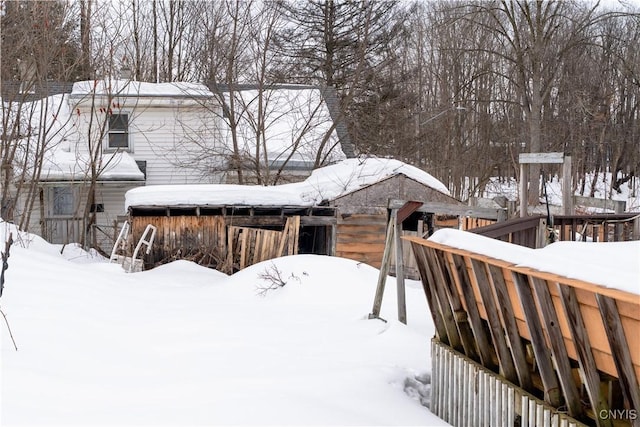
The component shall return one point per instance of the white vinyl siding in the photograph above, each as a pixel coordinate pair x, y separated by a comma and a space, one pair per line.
174, 136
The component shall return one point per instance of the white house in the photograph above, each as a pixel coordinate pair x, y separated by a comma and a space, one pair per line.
114, 135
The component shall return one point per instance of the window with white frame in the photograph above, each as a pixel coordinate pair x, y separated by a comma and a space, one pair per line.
63, 201
118, 131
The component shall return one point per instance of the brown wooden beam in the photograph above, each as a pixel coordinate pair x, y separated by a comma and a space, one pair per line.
588, 368
540, 349
513, 335
444, 305
619, 350
505, 359
483, 340
406, 210
428, 284
558, 348
461, 317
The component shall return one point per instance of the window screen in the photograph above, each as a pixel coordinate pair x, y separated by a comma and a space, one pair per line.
119, 131
63, 201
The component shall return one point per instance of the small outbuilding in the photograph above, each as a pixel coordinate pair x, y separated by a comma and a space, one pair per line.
340, 210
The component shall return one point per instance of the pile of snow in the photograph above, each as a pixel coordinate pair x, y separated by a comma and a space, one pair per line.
611, 264
186, 345
325, 183
70, 165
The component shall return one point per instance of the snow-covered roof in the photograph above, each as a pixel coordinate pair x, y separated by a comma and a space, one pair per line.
134, 88
325, 183
63, 165
610, 264
296, 122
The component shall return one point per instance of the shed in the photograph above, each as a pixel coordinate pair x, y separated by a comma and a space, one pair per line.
339, 210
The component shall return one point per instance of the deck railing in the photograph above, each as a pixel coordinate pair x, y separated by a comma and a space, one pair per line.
534, 231
70, 230
570, 343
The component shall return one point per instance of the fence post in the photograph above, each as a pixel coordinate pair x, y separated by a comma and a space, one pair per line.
567, 199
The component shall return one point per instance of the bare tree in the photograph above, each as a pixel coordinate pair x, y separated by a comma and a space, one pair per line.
38, 48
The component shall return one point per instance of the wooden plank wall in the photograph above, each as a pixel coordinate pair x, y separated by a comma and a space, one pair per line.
360, 236
247, 246
201, 239
571, 343
208, 241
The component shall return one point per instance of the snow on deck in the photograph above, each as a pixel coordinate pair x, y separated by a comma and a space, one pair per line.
611, 264
325, 183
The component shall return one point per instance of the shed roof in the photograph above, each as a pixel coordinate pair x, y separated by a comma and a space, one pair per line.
324, 184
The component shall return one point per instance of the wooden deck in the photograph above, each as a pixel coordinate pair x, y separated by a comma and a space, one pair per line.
573, 344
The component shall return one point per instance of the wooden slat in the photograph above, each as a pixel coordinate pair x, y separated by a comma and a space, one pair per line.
619, 350
558, 349
588, 369
483, 341
443, 303
360, 247
428, 284
461, 317
540, 349
511, 328
505, 360
384, 268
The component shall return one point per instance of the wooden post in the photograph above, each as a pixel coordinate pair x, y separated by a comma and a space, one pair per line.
394, 231
567, 199
523, 189
402, 305
384, 268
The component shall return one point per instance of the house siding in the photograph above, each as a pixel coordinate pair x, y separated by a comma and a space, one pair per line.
177, 138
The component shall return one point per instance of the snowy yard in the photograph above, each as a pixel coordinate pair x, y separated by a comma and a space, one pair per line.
185, 345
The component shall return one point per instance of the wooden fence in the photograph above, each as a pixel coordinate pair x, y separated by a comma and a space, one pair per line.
467, 394
534, 231
570, 343
70, 230
247, 246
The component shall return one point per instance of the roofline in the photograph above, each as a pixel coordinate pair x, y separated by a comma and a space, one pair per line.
253, 86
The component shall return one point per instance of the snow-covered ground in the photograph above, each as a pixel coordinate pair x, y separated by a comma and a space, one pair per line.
629, 191
185, 345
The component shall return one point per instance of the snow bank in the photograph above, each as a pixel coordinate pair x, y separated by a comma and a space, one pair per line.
186, 345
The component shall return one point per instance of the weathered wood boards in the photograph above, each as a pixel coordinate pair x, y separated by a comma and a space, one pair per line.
210, 241
584, 339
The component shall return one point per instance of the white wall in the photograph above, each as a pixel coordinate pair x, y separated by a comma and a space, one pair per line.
178, 137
